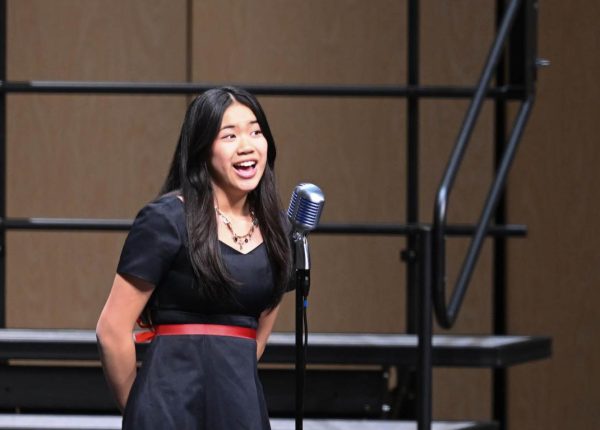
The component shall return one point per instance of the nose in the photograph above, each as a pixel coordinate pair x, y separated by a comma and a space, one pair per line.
245, 145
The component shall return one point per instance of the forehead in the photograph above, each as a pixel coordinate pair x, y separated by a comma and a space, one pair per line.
237, 114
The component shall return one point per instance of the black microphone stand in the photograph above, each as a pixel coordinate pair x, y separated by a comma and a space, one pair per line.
302, 287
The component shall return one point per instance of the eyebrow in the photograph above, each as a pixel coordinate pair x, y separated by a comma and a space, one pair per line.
233, 126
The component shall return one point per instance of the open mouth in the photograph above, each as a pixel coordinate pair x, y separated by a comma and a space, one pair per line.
245, 166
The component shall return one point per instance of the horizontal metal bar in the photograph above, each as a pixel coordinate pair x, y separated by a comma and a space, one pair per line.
174, 88
90, 224
76, 224
513, 230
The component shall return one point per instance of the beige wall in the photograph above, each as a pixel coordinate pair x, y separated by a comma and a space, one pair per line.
82, 155
555, 272
104, 156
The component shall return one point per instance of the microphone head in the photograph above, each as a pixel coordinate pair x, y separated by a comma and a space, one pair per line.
305, 208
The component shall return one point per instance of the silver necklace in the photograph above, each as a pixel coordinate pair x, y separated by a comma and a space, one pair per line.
243, 239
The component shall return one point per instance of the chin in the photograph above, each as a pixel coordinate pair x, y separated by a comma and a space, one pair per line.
249, 185
249, 188
245, 187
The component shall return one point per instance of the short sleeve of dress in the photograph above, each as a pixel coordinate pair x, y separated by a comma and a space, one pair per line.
151, 246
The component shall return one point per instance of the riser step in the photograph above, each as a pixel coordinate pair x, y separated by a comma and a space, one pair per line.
381, 349
91, 422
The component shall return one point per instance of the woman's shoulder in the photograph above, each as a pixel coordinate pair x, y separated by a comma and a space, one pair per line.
168, 207
154, 239
169, 201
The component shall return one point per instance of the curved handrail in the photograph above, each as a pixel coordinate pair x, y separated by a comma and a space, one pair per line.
446, 314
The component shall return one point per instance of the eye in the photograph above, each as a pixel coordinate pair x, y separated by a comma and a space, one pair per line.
228, 137
257, 132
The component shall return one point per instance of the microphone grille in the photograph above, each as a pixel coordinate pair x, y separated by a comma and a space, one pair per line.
308, 213
293, 205
305, 207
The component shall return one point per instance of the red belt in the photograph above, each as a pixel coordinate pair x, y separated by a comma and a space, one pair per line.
206, 329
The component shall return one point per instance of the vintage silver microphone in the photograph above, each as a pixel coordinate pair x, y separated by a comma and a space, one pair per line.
304, 212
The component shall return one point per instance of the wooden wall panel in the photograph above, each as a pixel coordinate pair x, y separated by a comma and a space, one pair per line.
109, 40
554, 190
83, 155
59, 280
272, 41
455, 38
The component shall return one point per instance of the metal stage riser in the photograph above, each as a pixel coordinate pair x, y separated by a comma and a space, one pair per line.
89, 422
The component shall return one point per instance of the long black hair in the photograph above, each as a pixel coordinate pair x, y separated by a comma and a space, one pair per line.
190, 174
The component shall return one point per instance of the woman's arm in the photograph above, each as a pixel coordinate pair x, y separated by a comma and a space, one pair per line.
265, 326
114, 331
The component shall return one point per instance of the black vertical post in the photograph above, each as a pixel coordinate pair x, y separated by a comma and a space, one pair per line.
499, 275
412, 165
2, 165
499, 304
424, 368
412, 200
302, 285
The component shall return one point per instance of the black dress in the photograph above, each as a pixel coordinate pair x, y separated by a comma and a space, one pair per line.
194, 381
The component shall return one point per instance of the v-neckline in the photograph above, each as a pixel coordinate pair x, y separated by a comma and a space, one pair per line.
238, 251
180, 198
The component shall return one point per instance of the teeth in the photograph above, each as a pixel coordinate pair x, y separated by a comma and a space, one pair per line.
246, 164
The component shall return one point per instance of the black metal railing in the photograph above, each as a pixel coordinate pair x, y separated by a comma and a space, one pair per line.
446, 312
